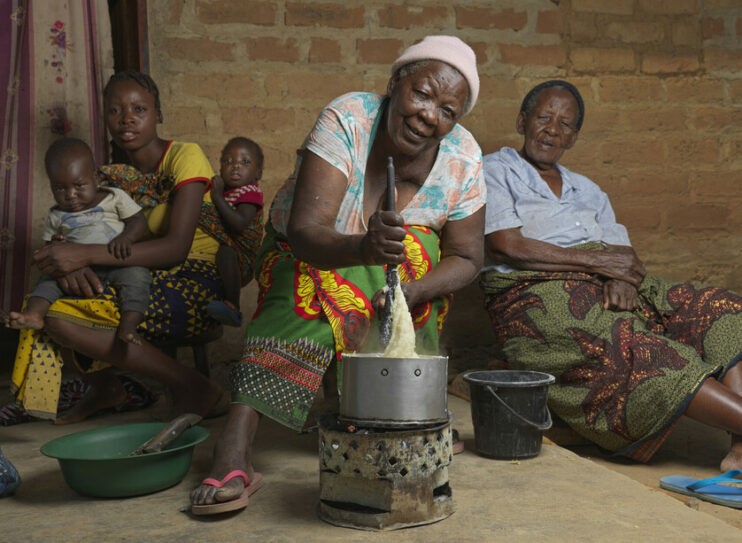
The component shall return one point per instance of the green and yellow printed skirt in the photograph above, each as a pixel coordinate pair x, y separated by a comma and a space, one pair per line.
306, 318
622, 378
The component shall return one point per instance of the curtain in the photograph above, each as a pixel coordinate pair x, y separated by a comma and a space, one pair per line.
55, 57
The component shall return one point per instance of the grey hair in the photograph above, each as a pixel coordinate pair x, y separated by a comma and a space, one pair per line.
413, 67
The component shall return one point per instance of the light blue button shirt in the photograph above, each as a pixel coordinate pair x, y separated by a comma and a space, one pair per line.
517, 197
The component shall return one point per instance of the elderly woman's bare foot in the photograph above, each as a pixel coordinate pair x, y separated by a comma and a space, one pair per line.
232, 459
99, 396
25, 320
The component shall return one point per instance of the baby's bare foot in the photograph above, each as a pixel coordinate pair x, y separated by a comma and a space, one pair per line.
23, 321
129, 336
128, 327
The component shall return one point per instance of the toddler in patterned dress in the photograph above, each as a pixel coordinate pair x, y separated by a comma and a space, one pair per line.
238, 198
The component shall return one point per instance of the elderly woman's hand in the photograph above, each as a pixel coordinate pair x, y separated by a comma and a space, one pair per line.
619, 264
382, 244
59, 259
620, 296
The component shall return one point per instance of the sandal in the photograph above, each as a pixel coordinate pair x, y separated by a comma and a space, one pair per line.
232, 505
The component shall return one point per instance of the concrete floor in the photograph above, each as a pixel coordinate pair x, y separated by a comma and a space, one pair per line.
558, 496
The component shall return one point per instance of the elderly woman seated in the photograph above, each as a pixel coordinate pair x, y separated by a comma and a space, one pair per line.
321, 266
567, 295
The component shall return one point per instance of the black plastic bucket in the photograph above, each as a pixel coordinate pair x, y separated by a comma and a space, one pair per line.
509, 412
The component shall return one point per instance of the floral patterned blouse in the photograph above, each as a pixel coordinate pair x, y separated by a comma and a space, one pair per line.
343, 135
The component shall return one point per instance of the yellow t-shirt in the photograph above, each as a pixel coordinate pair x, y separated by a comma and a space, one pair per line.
186, 163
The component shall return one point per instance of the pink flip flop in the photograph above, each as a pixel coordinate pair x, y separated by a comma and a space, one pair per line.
232, 505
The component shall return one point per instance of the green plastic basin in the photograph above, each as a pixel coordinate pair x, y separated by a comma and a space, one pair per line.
97, 462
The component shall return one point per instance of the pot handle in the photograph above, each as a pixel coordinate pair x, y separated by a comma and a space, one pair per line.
543, 426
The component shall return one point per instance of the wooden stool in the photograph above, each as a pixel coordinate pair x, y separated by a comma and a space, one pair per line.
197, 343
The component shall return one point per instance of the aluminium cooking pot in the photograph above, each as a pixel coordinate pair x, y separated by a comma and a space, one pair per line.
386, 392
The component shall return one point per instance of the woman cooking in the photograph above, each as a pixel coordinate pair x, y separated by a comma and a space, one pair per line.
321, 264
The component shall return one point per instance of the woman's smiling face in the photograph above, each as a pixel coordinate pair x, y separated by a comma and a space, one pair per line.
549, 128
425, 106
131, 115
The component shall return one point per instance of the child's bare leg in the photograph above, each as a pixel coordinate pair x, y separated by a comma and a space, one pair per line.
32, 317
228, 265
128, 327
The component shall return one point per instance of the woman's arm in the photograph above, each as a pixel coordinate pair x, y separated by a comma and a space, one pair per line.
319, 191
163, 252
462, 254
510, 247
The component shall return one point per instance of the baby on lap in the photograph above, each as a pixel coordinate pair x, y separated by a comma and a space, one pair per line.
88, 213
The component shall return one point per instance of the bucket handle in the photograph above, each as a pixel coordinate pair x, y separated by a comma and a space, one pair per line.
543, 426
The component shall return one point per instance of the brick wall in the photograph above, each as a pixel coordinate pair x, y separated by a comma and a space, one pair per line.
662, 82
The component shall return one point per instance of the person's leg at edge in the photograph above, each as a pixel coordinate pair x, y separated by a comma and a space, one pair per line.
192, 392
229, 269
233, 450
105, 391
719, 404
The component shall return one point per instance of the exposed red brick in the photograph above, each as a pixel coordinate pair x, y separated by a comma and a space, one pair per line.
654, 119
582, 27
646, 181
379, 51
498, 88
722, 59
674, 7
693, 151
629, 153
602, 60
614, 7
324, 50
472, 17
630, 89
711, 27
685, 32
714, 4
227, 11
694, 90
735, 90
395, 16
697, 216
316, 87
175, 11
634, 216
221, 87
480, 50
274, 49
186, 120
198, 49
250, 120
550, 22
634, 32
603, 119
716, 119
335, 15
539, 55
663, 63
